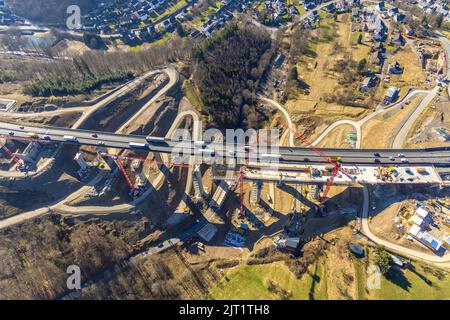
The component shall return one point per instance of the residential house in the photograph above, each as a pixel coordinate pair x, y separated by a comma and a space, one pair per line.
378, 46
380, 26
381, 37
399, 18
341, 6
398, 40
392, 12
293, 10
309, 4
368, 83
409, 32
377, 58
391, 95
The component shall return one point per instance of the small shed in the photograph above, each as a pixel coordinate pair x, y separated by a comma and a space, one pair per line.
357, 249
422, 213
418, 221
207, 232
414, 230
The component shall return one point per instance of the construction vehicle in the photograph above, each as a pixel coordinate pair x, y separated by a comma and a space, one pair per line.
422, 171
32, 135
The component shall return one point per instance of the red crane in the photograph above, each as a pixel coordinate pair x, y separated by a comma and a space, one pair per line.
337, 167
125, 174
183, 165
12, 156
122, 169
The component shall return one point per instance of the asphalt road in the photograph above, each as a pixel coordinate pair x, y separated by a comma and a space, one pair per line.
440, 156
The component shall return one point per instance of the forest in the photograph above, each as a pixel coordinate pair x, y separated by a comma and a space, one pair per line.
64, 85
88, 71
227, 69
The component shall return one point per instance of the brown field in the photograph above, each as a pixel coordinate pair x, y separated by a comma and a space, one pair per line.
337, 138
379, 132
422, 134
311, 113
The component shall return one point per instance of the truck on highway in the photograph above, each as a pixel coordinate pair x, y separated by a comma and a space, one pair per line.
270, 157
138, 146
205, 152
45, 137
32, 135
200, 144
156, 141
70, 139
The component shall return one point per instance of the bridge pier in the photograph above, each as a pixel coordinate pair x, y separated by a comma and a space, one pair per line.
314, 192
198, 183
255, 195
30, 154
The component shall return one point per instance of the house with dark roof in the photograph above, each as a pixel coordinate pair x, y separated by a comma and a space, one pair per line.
391, 95
377, 58
368, 83
396, 68
398, 40
409, 32
392, 12
399, 18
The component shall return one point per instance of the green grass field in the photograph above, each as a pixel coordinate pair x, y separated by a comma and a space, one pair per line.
409, 285
191, 95
250, 282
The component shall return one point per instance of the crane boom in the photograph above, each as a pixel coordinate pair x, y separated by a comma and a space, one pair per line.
125, 174
334, 161
329, 184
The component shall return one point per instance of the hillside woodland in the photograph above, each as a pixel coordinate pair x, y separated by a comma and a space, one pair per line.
227, 70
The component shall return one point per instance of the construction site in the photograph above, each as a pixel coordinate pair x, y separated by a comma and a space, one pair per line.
135, 179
